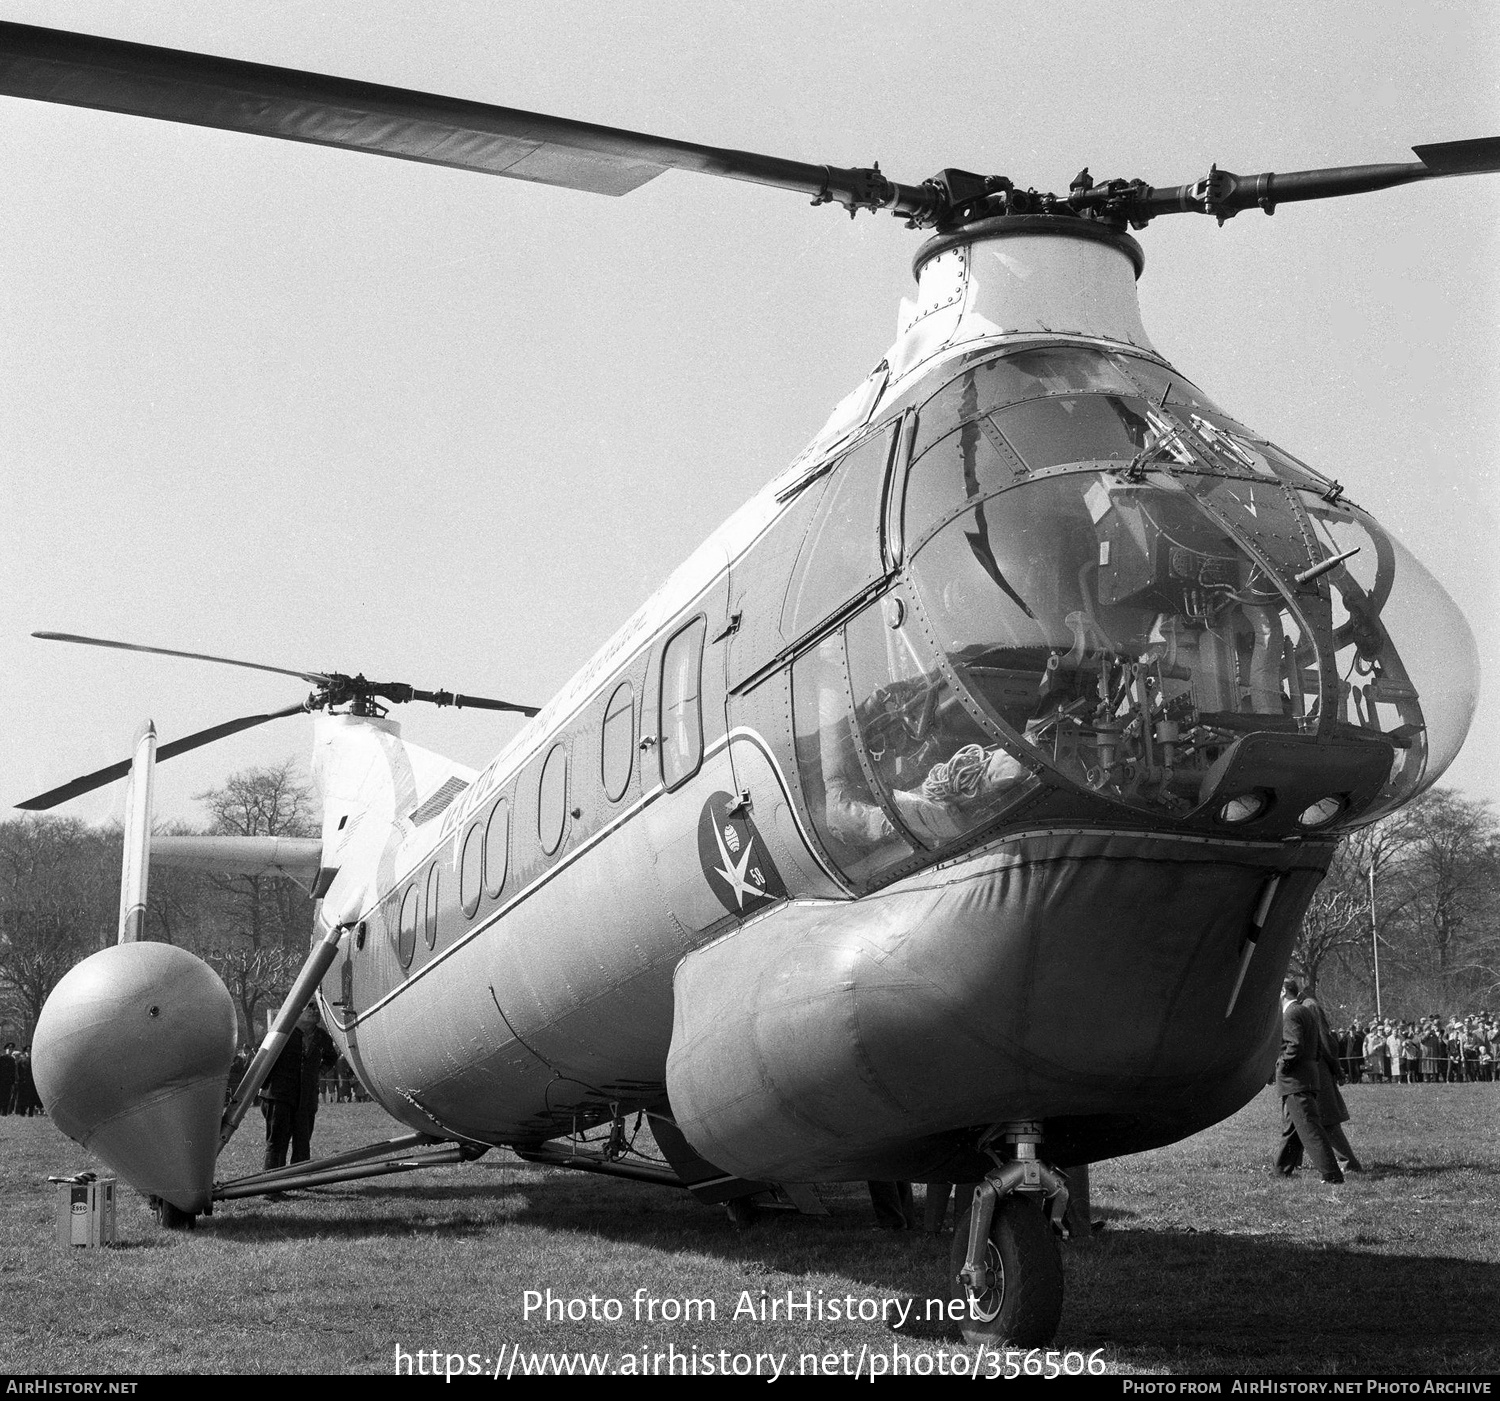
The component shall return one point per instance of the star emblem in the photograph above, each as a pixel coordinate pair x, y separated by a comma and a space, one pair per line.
734, 873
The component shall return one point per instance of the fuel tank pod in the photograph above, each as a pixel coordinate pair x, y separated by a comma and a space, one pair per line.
131, 1055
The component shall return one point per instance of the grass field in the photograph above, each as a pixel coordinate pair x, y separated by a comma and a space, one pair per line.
1207, 1263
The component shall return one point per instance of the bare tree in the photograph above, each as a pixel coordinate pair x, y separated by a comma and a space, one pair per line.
255, 977
1337, 919
1436, 865
59, 883
257, 932
269, 802
1447, 871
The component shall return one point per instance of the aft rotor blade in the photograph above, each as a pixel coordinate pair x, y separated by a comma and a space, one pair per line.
400, 693
100, 777
1224, 194
316, 677
83, 70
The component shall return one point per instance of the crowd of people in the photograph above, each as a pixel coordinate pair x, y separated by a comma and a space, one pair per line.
17, 1087
1422, 1051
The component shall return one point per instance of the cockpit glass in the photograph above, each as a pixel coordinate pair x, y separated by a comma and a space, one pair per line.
991, 384
1058, 369
1122, 630
987, 454
1406, 661
853, 827
1166, 388
1110, 566
1086, 428
966, 465
942, 770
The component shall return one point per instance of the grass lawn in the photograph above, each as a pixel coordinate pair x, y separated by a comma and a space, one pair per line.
1207, 1263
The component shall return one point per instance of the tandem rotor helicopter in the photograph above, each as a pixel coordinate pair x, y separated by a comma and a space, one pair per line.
948, 815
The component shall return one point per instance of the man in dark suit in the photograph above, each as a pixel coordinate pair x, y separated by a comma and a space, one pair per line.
1297, 1084
1333, 1113
28, 1102
279, 1097
318, 1051
7, 1077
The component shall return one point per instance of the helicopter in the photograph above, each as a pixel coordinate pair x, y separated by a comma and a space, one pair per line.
1036, 660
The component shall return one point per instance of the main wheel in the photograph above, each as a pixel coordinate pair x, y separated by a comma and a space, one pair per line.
1020, 1301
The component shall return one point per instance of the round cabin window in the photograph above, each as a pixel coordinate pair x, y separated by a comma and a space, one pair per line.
618, 742
552, 799
471, 870
406, 942
432, 905
496, 849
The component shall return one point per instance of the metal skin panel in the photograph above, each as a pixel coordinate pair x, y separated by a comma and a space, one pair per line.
297, 857
1065, 286
505, 1034
1015, 285
131, 1056
670, 828
838, 1040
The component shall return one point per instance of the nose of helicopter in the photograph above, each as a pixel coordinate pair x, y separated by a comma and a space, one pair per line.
1078, 978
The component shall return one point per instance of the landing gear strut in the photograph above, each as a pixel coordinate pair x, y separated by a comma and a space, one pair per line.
1005, 1262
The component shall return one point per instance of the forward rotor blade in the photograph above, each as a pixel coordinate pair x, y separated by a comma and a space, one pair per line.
317, 677
401, 693
83, 70
1478, 157
100, 777
1224, 194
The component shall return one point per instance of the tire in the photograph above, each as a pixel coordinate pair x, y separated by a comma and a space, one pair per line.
1024, 1306
171, 1218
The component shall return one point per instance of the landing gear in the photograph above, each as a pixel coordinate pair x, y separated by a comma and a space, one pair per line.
1018, 1297
1005, 1263
171, 1218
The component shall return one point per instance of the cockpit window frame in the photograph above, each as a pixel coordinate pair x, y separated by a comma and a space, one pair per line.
801, 619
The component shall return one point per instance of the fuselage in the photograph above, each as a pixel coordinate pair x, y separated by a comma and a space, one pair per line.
980, 768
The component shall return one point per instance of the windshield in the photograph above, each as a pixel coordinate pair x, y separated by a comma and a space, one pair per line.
1111, 580
1121, 628
1406, 662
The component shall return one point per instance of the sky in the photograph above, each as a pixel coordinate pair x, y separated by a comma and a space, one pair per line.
329, 411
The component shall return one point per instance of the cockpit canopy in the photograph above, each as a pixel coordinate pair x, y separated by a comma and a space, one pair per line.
1106, 584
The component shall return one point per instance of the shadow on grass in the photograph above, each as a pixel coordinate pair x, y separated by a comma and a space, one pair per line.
1204, 1301
1377, 1171
1174, 1299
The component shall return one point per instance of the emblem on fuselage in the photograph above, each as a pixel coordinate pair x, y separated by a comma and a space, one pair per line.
735, 861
